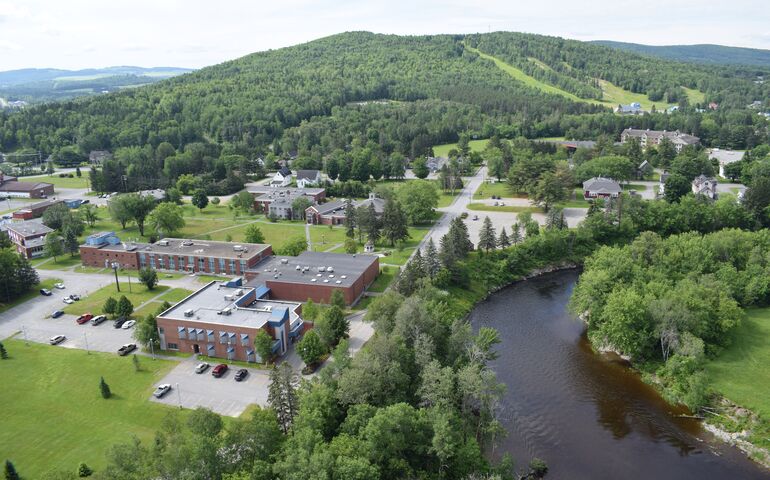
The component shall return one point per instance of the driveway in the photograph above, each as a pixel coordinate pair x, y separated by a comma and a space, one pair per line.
222, 395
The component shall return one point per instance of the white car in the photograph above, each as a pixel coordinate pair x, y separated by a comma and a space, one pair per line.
60, 286
128, 324
68, 300
162, 390
202, 367
57, 339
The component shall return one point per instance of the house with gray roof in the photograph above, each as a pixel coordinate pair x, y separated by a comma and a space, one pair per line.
648, 138
600, 187
308, 178
706, 186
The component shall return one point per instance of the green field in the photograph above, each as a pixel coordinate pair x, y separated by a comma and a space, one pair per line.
474, 145
483, 207
54, 416
139, 294
61, 182
35, 291
387, 275
499, 189
742, 372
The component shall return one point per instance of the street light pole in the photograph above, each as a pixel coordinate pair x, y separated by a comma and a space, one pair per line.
85, 337
179, 395
115, 266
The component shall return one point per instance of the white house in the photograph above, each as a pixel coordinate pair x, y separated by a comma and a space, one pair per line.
703, 185
281, 178
308, 178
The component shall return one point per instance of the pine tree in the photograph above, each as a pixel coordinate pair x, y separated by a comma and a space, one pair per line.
555, 219
487, 239
394, 227
372, 225
350, 219
337, 299
431, 259
71, 243
10, 471
409, 278
282, 395
3, 352
104, 388
516, 233
503, 241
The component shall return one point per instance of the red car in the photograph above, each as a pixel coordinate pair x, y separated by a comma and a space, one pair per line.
84, 318
219, 370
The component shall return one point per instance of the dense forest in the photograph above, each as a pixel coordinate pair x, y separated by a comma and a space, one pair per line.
716, 54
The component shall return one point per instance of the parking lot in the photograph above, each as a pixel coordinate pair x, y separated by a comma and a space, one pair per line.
222, 395
100, 338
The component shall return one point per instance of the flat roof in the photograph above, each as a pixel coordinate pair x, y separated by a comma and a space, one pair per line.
214, 297
198, 248
27, 228
268, 189
14, 186
306, 269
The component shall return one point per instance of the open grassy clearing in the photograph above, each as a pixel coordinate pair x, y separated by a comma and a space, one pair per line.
54, 416
614, 95
483, 207
387, 275
139, 294
33, 292
474, 145
694, 96
741, 372
61, 182
61, 262
498, 189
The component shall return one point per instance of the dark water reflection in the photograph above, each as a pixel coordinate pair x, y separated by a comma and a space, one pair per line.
588, 415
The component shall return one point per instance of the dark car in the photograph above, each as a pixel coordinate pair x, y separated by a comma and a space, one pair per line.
84, 318
46, 292
126, 349
241, 374
98, 320
119, 322
75, 297
85, 202
219, 370
57, 314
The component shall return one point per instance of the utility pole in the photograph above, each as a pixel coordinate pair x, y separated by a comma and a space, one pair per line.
85, 337
115, 266
179, 395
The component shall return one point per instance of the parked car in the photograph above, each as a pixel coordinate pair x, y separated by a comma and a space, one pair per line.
57, 314
59, 285
84, 318
46, 292
464, 215
161, 390
98, 320
219, 370
128, 324
119, 322
86, 201
475, 217
241, 374
57, 339
75, 297
202, 367
68, 300
126, 349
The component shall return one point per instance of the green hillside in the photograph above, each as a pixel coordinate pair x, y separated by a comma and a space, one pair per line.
710, 54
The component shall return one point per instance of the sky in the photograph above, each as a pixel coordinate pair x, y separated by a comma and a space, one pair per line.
76, 34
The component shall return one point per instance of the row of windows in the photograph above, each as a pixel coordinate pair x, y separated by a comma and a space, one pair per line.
178, 263
198, 334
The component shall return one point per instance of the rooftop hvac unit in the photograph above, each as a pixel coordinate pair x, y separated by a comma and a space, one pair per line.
298, 268
238, 292
187, 243
329, 269
312, 280
238, 248
189, 312
331, 276
284, 261
229, 298
338, 282
322, 269
318, 275
163, 243
343, 276
227, 311
275, 276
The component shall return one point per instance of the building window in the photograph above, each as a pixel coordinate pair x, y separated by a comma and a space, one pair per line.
243, 266
221, 265
171, 265
152, 261
232, 267
160, 330
172, 346
211, 264
201, 264
142, 260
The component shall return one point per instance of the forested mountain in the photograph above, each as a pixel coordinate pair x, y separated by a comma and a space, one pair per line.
368, 95
705, 53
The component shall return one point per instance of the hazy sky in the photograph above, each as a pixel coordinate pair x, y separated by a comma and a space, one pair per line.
196, 33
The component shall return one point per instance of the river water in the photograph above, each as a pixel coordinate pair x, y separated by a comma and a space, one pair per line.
587, 415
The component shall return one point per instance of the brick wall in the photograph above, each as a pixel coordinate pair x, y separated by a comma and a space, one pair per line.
96, 257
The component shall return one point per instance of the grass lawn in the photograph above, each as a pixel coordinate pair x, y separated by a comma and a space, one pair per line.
741, 372
33, 292
61, 182
474, 145
387, 275
482, 207
633, 186
498, 189
94, 302
62, 262
54, 416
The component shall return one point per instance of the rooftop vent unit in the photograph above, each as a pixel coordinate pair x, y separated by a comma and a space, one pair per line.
321, 269
326, 280
163, 243
227, 311
284, 261
298, 268
187, 243
275, 276
329, 269
312, 280
331, 276
318, 275
189, 312
148, 247
229, 298
343, 276
338, 282
130, 248
238, 292
238, 248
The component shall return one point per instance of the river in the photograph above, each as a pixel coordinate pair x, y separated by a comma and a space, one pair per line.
587, 415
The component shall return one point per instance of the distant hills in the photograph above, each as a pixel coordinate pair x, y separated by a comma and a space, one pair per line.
706, 53
34, 85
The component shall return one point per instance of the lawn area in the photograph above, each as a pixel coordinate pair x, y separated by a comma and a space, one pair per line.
387, 275
482, 207
54, 416
62, 262
498, 189
694, 96
33, 292
614, 95
474, 145
741, 372
632, 186
94, 302
61, 182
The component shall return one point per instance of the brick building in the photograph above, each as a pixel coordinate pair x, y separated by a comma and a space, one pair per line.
222, 319
28, 237
10, 187
35, 210
316, 275
278, 200
333, 213
174, 254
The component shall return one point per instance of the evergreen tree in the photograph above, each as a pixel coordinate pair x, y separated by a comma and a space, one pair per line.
110, 306
104, 389
487, 239
124, 308
282, 395
372, 225
10, 471
71, 243
350, 219
516, 233
337, 299
53, 245
431, 259
394, 227
410, 276
3, 352
503, 241
555, 219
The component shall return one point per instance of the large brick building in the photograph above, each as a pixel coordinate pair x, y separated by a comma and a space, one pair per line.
316, 275
10, 187
222, 319
174, 254
35, 210
27, 237
278, 200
